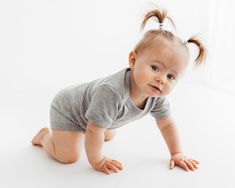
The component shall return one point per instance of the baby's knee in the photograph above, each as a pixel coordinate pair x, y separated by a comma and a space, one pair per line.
68, 159
109, 134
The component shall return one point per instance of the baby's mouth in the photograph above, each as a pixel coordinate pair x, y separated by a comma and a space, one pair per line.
155, 88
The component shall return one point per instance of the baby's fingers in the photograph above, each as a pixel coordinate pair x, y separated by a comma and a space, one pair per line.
112, 167
183, 165
190, 165
106, 170
193, 163
172, 164
117, 164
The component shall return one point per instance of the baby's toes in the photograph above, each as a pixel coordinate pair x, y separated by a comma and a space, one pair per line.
38, 137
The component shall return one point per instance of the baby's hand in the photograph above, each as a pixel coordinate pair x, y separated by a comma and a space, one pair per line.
182, 161
108, 166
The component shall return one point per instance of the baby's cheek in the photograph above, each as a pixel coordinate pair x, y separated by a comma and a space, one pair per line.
144, 77
169, 89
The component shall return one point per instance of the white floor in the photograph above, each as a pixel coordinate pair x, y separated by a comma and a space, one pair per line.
205, 117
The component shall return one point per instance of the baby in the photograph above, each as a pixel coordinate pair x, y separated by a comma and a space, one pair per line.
92, 111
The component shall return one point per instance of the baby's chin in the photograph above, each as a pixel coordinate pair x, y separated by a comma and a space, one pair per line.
156, 94
160, 94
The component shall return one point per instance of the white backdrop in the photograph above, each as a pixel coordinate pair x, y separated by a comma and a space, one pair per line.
221, 40
46, 45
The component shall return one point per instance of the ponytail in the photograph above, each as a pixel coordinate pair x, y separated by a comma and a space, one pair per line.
201, 49
149, 36
161, 15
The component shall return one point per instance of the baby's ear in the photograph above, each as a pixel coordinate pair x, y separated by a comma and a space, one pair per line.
132, 58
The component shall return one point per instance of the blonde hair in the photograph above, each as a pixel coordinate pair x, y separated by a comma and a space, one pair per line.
148, 38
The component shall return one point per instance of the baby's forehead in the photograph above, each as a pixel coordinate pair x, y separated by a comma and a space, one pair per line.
162, 41
176, 46
172, 54
161, 46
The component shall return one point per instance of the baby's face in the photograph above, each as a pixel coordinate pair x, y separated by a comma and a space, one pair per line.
157, 68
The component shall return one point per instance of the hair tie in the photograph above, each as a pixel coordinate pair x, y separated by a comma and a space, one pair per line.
160, 25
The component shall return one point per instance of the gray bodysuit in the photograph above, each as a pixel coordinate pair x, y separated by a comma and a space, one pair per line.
104, 102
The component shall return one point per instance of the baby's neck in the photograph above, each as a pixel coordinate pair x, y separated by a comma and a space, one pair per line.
136, 96
139, 102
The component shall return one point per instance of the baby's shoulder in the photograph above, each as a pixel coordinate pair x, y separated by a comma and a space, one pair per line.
115, 83
106, 90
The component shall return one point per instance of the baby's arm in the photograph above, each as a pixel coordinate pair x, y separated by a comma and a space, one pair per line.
94, 143
170, 135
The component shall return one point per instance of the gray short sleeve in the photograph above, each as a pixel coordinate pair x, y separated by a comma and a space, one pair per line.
104, 105
161, 109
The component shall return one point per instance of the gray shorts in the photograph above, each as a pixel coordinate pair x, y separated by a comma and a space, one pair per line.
60, 122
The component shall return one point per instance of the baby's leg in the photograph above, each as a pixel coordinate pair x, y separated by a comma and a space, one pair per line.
109, 134
64, 146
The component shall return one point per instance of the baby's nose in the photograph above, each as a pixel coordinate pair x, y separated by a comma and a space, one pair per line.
160, 79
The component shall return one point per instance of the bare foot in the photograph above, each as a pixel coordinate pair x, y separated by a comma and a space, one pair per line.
37, 139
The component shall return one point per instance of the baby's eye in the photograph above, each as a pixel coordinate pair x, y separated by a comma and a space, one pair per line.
170, 77
154, 67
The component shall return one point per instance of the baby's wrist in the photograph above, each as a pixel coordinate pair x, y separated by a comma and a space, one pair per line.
177, 152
